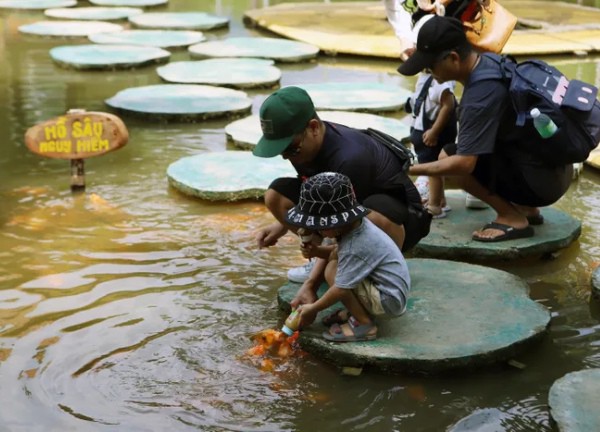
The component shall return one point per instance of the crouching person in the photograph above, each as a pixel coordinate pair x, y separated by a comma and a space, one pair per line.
366, 271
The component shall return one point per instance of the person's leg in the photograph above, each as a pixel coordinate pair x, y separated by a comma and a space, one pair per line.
349, 299
436, 197
394, 230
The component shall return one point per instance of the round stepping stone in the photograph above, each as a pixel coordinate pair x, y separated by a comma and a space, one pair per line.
574, 400
596, 282
180, 102
281, 50
239, 73
68, 28
458, 316
93, 13
138, 3
103, 57
482, 420
36, 4
246, 132
450, 237
156, 38
179, 20
226, 176
357, 96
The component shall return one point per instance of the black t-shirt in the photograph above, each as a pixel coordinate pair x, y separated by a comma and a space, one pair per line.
371, 166
485, 115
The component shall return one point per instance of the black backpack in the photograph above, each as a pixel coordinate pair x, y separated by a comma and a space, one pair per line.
572, 105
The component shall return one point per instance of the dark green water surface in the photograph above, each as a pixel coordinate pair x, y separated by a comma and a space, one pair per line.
128, 308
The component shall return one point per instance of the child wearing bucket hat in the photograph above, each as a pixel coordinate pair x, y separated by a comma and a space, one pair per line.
367, 273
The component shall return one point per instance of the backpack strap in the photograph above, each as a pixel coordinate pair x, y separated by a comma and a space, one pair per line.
422, 96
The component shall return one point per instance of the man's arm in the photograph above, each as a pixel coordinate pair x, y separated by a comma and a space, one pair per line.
455, 165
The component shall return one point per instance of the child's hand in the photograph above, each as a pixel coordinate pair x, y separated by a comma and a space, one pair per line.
430, 139
308, 250
307, 315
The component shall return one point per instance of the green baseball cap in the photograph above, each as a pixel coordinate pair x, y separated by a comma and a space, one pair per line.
283, 114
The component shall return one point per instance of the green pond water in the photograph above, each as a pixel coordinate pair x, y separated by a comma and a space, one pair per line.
128, 308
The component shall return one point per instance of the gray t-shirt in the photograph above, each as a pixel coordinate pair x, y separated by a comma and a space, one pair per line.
368, 252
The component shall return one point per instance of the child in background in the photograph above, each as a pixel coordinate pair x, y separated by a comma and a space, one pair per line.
366, 271
434, 125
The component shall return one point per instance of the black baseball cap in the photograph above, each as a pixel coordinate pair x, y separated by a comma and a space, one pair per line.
436, 36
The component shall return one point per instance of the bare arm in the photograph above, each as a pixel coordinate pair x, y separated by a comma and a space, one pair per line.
457, 165
430, 136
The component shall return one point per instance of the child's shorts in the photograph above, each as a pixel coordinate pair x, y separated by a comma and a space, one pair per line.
373, 301
430, 154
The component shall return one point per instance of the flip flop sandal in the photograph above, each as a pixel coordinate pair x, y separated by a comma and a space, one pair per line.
537, 219
352, 331
339, 316
510, 233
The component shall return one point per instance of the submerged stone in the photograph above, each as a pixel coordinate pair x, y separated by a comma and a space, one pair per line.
574, 400
482, 420
36, 4
107, 57
596, 282
246, 132
357, 96
450, 237
68, 28
179, 20
180, 102
239, 73
156, 38
459, 316
93, 13
226, 176
139, 3
281, 50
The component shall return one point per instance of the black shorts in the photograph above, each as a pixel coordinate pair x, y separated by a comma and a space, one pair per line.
520, 179
415, 220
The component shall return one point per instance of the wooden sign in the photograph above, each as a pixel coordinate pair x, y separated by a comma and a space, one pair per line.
77, 135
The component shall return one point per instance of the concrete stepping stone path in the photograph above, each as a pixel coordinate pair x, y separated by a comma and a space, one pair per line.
156, 38
280, 50
68, 28
179, 20
574, 400
238, 73
458, 316
246, 132
36, 4
450, 237
135, 3
226, 176
107, 57
93, 13
594, 158
357, 96
180, 102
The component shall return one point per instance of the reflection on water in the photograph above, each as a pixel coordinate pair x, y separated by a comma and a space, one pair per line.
129, 307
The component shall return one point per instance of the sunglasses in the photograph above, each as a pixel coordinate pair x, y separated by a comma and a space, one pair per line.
294, 148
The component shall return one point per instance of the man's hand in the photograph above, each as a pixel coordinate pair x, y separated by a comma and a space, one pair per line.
268, 236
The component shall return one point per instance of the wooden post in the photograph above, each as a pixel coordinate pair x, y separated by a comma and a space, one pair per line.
77, 175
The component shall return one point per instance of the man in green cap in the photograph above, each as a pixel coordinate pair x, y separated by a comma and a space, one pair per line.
291, 128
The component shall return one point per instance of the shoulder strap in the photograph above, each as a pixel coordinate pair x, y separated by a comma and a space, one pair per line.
503, 73
422, 96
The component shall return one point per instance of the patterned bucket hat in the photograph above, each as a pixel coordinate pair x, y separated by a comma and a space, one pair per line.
327, 201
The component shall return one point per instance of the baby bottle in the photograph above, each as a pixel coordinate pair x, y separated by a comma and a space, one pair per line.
291, 323
305, 236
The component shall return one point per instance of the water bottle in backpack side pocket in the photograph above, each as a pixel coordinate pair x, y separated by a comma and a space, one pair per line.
543, 124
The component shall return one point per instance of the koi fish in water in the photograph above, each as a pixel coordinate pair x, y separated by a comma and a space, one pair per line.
272, 344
